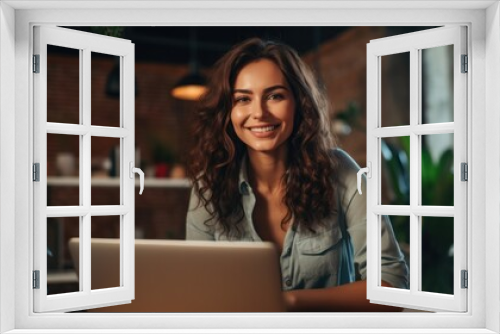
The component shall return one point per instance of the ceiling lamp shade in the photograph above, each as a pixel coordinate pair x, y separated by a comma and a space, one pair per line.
191, 87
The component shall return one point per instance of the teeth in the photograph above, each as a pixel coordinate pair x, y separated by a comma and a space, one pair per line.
264, 129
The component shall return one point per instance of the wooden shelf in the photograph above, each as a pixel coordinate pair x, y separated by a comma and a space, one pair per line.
115, 182
61, 277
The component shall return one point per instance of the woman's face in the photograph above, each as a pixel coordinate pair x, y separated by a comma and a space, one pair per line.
263, 107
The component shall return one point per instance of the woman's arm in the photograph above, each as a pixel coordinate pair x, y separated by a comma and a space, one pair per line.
352, 297
344, 298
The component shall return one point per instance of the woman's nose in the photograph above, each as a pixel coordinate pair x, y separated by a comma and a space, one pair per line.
259, 110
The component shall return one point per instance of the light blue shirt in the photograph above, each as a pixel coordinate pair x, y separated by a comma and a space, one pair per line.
311, 260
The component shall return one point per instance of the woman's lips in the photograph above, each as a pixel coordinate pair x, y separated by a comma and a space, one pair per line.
263, 131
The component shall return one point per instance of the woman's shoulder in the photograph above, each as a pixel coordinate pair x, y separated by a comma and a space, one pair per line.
345, 162
347, 168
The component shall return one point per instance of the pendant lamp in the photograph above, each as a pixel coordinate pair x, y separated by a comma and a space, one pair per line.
192, 86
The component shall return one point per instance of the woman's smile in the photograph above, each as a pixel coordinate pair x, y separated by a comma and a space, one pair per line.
264, 131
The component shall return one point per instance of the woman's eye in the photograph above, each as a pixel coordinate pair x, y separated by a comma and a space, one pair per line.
241, 99
276, 97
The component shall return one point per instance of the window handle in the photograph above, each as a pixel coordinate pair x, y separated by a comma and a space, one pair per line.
133, 170
368, 171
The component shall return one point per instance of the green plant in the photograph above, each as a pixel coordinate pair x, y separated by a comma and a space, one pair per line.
436, 189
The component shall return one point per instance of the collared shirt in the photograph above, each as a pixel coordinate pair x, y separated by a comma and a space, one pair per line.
311, 260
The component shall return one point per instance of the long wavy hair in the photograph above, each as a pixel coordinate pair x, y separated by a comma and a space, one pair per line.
216, 158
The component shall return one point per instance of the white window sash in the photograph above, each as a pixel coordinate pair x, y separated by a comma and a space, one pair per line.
86, 297
413, 43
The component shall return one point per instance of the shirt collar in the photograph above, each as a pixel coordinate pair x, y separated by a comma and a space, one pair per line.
244, 185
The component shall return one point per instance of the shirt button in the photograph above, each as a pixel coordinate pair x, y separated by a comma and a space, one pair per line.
288, 282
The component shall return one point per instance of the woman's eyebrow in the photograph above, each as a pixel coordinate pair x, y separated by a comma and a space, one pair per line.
268, 89
274, 88
244, 91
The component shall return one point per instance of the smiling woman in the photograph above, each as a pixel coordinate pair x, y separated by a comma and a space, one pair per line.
265, 167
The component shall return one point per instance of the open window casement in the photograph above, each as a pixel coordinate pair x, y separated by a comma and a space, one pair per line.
425, 129
83, 131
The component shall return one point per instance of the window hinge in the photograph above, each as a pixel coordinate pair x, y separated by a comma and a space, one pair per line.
36, 63
36, 172
465, 64
36, 279
464, 171
465, 279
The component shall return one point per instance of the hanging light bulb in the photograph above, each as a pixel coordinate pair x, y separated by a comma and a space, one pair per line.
192, 86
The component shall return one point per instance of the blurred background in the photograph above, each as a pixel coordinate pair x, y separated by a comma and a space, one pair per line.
168, 59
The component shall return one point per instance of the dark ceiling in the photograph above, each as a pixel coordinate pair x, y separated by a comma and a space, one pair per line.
176, 44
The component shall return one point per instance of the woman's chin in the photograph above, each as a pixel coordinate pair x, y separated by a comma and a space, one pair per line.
265, 149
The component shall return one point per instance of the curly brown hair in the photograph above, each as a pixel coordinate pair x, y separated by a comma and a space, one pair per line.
218, 153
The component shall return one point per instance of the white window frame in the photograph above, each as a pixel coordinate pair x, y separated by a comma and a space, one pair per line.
16, 22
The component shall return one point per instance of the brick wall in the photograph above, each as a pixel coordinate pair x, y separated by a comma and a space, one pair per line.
160, 212
341, 65
158, 116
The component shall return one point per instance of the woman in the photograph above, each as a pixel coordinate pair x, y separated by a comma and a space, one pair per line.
264, 167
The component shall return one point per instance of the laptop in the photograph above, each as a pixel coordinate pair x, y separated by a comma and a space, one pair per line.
190, 276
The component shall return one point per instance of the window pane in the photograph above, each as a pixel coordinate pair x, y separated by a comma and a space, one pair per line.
63, 165
395, 157
437, 84
63, 85
62, 275
105, 263
105, 94
437, 170
401, 228
395, 98
105, 171
437, 254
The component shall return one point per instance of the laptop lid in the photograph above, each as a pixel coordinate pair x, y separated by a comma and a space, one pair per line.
191, 276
